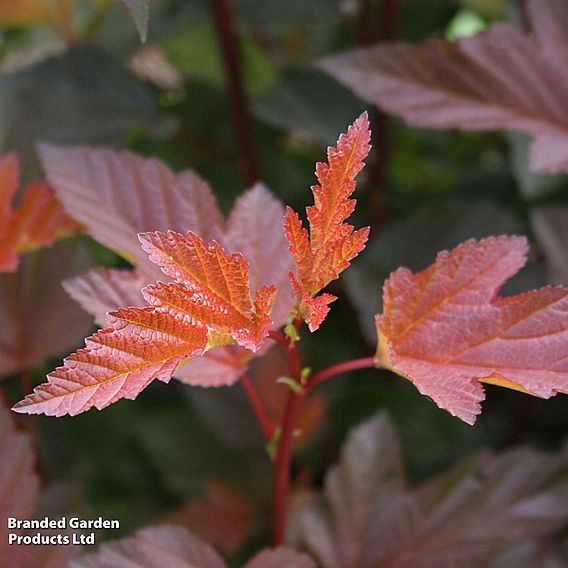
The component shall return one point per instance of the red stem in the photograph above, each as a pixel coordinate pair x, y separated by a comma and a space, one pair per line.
282, 461
334, 370
229, 47
264, 421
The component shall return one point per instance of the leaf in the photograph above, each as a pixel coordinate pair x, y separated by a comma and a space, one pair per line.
19, 483
218, 285
37, 222
367, 517
24, 12
37, 318
446, 330
504, 78
156, 547
549, 223
209, 304
117, 195
102, 101
140, 12
253, 228
202, 517
331, 244
139, 345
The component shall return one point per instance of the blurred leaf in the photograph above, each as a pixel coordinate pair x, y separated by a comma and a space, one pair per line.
159, 546
38, 319
367, 517
532, 185
465, 23
414, 240
307, 103
24, 12
195, 52
139, 10
550, 224
92, 98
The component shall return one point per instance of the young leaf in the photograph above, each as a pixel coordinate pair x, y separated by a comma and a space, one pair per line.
218, 285
332, 243
254, 228
37, 318
368, 518
447, 331
37, 222
138, 346
209, 304
504, 78
160, 546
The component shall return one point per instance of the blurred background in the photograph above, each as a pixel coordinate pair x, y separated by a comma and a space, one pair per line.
77, 73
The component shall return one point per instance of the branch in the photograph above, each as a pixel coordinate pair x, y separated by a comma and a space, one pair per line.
229, 47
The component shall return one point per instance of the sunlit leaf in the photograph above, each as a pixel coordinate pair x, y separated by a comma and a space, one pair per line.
331, 243
37, 222
447, 330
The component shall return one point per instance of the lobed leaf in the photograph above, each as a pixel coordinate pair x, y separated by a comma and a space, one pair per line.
139, 345
37, 222
323, 253
217, 285
156, 547
367, 517
504, 78
208, 305
447, 331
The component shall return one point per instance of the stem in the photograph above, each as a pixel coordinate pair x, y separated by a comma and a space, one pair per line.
281, 465
334, 370
281, 469
264, 421
229, 47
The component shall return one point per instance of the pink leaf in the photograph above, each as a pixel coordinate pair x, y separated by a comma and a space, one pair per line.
446, 330
117, 195
154, 547
18, 482
504, 78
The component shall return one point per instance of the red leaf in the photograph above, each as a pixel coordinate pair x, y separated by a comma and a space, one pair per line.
209, 304
139, 345
446, 330
37, 222
18, 482
504, 78
109, 192
218, 284
367, 516
331, 244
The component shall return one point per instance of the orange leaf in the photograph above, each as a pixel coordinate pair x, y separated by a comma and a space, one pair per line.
39, 220
447, 331
331, 243
218, 284
209, 305
119, 361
